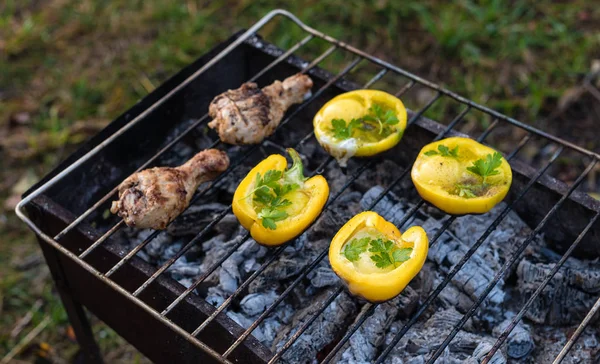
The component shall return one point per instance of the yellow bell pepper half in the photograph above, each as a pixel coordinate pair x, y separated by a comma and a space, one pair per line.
360, 123
374, 259
461, 176
276, 204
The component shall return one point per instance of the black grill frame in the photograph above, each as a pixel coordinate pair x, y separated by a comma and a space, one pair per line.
359, 56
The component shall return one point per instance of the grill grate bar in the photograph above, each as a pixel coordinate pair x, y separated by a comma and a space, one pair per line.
369, 308
178, 138
249, 152
539, 290
467, 255
410, 84
578, 332
510, 262
307, 324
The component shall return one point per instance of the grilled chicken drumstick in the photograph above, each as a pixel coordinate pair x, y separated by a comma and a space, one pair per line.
154, 197
248, 114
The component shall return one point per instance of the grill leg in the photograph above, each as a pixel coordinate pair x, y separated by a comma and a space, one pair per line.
75, 311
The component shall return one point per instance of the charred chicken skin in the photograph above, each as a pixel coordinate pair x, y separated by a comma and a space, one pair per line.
249, 114
154, 197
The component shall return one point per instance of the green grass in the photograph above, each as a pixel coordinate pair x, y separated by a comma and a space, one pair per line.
67, 63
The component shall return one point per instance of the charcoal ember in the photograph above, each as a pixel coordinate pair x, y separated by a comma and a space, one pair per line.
291, 262
408, 300
192, 220
183, 268
342, 210
323, 276
566, 299
557, 338
519, 342
255, 303
232, 270
383, 174
332, 322
216, 248
215, 296
229, 227
390, 207
502, 242
272, 324
425, 337
335, 178
363, 346
474, 275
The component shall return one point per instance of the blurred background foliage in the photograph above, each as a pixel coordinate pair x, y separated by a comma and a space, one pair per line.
68, 67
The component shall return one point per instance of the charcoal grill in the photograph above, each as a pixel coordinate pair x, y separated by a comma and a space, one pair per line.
165, 320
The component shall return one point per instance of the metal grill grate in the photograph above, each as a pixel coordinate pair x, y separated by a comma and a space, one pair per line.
369, 308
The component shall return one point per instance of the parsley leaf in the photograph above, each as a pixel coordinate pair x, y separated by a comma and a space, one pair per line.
270, 216
343, 130
387, 253
466, 191
270, 189
444, 151
355, 247
402, 255
487, 167
340, 130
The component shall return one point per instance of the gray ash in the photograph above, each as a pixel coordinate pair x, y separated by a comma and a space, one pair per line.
536, 339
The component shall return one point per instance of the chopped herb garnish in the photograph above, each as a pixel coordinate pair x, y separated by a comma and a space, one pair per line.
386, 252
270, 188
377, 115
465, 191
355, 247
444, 151
487, 167
343, 130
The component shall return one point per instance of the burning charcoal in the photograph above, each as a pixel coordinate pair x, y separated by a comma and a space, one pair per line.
473, 277
425, 338
323, 276
384, 173
390, 206
519, 342
185, 269
344, 208
326, 327
229, 273
229, 227
215, 296
171, 250
192, 220
362, 347
501, 243
289, 265
565, 300
255, 303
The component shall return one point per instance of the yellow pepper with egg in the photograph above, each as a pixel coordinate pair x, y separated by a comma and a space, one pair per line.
277, 204
360, 123
374, 259
461, 176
